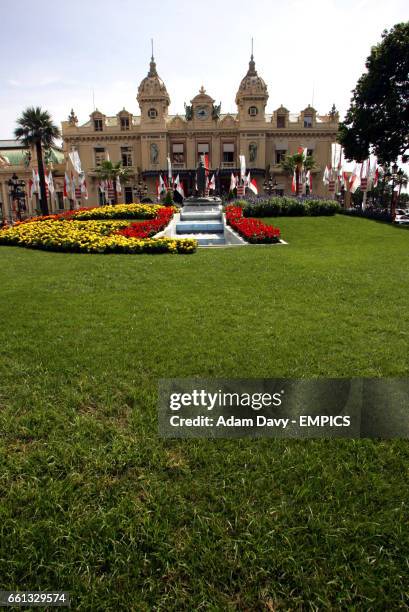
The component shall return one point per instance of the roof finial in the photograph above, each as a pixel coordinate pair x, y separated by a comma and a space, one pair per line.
252, 64
152, 67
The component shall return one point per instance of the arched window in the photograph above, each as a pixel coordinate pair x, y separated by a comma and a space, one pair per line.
253, 110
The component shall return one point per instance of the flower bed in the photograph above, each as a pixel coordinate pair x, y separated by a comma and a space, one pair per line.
119, 211
72, 232
252, 230
147, 229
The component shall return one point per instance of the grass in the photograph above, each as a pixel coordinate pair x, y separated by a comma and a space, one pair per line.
93, 502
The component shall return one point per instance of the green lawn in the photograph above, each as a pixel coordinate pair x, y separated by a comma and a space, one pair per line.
93, 502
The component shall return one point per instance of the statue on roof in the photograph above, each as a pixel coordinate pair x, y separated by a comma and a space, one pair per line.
188, 112
216, 111
333, 112
72, 118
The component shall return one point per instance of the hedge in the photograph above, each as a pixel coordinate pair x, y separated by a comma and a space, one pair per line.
286, 207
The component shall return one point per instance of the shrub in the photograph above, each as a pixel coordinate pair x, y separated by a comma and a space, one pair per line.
378, 214
286, 206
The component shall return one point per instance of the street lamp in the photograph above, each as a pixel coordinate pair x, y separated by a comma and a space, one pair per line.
17, 194
141, 189
269, 185
395, 175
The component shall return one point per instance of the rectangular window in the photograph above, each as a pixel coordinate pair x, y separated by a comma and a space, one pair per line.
99, 153
126, 156
228, 152
310, 152
202, 149
124, 123
307, 121
98, 125
280, 155
280, 121
178, 153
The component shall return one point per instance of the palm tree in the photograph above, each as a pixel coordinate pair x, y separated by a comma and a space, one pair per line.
36, 129
297, 163
109, 171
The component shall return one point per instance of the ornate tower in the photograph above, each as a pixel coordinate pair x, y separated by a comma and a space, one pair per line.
252, 96
153, 98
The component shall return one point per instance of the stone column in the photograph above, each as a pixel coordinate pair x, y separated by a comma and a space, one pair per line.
6, 200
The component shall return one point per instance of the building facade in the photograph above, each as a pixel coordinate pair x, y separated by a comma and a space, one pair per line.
143, 142
16, 171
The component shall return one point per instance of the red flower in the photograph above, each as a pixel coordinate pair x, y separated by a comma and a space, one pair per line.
147, 229
252, 230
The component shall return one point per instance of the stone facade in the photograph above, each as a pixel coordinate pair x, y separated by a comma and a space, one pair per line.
18, 162
143, 142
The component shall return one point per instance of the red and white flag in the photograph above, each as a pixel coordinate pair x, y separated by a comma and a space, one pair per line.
118, 185
376, 177
325, 176
308, 180
179, 186
294, 183
212, 184
355, 179
84, 190
67, 185
252, 185
49, 181
206, 163
233, 182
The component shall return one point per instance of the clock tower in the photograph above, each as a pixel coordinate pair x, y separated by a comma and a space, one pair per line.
202, 109
252, 96
153, 99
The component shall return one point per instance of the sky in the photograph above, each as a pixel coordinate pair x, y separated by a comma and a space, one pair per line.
62, 55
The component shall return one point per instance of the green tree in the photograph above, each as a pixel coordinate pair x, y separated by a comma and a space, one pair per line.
36, 129
378, 116
110, 171
297, 163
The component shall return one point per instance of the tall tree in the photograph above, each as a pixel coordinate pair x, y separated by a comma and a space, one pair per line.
109, 171
378, 117
297, 163
36, 129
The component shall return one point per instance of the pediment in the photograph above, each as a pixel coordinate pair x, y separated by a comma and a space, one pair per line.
228, 120
177, 122
202, 98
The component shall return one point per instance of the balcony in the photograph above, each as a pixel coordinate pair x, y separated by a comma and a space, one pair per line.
227, 165
179, 165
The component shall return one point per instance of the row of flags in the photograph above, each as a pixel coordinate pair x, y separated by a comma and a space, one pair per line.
75, 187
34, 183
163, 185
364, 175
241, 183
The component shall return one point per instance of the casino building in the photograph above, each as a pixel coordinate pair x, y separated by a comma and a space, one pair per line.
142, 142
